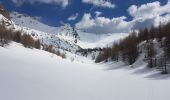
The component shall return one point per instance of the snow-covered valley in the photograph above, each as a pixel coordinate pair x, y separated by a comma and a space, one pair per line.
30, 74
35, 74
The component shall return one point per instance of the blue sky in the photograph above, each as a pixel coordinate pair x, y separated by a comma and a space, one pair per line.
55, 12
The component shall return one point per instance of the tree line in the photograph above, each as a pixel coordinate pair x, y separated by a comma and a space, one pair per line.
8, 35
129, 48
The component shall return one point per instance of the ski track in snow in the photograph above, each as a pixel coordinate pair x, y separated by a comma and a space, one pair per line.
31, 74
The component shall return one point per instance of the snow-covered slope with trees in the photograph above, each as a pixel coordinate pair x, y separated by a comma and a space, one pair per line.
32, 74
41, 31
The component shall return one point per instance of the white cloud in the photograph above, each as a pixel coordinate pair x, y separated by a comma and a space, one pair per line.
63, 3
144, 16
100, 3
103, 24
97, 13
73, 17
145, 10
150, 14
86, 22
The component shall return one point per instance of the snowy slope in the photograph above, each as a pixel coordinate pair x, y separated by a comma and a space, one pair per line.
63, 32
36, 75
45, 38
31, 22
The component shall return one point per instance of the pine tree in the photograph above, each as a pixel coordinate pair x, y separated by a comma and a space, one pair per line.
150, 52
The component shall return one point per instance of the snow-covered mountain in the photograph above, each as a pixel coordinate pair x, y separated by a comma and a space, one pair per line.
24, 20
47, 34
76, 38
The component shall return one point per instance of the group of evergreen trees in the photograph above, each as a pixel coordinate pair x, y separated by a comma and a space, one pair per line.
125, 50
129, 49
86, 52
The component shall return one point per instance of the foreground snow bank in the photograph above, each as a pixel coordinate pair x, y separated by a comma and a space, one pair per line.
30, 74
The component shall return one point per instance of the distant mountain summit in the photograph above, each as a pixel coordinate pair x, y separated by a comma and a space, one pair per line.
33, 22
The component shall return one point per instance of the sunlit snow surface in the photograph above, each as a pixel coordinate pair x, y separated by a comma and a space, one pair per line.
30, 74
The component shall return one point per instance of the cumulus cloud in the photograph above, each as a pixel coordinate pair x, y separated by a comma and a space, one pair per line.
97, 13
63, 3
145, 10
103, 24
100, 3
86, 22
149, 14
73, 17
144, 16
